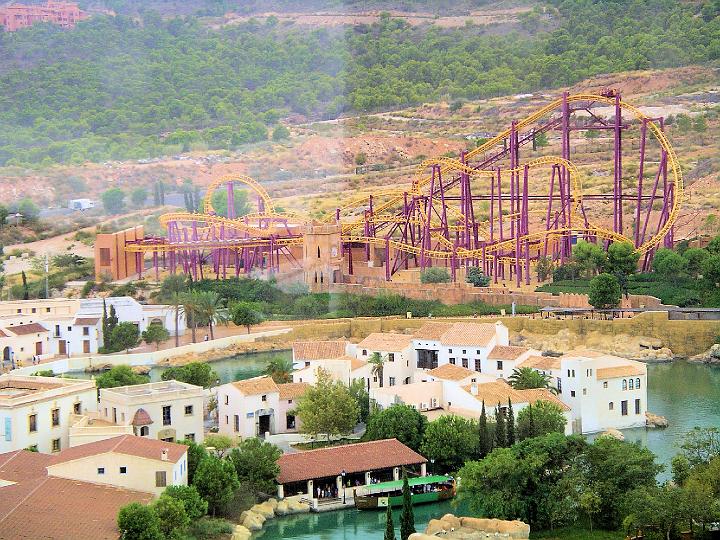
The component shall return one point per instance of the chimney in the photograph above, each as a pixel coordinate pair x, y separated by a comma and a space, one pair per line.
164, 454
474, 389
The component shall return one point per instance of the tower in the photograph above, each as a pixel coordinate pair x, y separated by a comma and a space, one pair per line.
322, 256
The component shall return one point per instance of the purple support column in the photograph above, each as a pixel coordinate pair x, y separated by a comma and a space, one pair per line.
641, 169
387, 259
230, 200
618, 190
525, 226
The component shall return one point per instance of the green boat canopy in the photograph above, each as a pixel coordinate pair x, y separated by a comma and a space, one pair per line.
397, 484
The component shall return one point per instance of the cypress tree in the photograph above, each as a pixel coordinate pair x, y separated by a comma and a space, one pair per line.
26, 292
510, 427
500, 439
105, 326
389, 527
162, 193
531, 421
156, 194
483, 436
407, 518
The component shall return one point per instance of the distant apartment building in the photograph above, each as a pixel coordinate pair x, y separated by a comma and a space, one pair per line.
35, 412
16, 16
167, 410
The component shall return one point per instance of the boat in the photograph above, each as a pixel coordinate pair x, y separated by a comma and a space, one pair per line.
423, 489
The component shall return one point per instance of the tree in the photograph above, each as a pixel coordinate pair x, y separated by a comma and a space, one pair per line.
244, 314
138, 196
125, 336
360, 158
279, 369
256, 464
695, 257
435, 275
280, 133
542, 418
403, 422
476, 276
500, 432
543, 268
510, 425
328, 408
713, 246
389, 526
407, 518
139, 522
590, 503
192, 305
605, 292
540, 140
28, 209
622, 259
172, 515
218, 444
195, 506
378, 366
362, 398
241, 206
157, 334
590, 257
484, 441
669, 264
711, 269
524, 378
113, 201
196, 452
26, 291
701, 445
197, 373
122, 375
171, 291
216, 481
211, 310
450, 441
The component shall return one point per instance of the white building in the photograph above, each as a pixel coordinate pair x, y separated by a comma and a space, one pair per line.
81, 204
166, 410
398, 358
336, 358
126, 461
35, 412
254, 407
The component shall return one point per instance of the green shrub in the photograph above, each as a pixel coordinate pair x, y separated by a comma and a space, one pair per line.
435, 275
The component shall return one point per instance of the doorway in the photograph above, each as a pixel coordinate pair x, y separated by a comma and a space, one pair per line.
86, 346
63, 346
263, 424
7, 352
38, 348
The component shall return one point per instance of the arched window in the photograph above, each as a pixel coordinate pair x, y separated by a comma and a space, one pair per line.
637, 384
624, 384
321, 277
631, 384
144, 431
315, 277
318, 252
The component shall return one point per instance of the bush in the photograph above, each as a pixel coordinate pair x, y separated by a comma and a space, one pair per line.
476, 276
435, 275
207, 528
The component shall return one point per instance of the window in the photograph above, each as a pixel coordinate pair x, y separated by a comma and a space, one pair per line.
452, 361
263, 398
364, 354
631, 384
101, 470
624, 384
47, 310
190, 437
32, 423
588, 372
477, 351
160, 479
69, 328
86, 330
307, 364
611, 406
499, 365
584, 391
605, 384
637, 406
56, 445
227, 419
33, 310
123, 470
391, 381
478, 364
572, 393
450, 351
188, 410
77, 408
559, 385
637, 384
573, 372
236, 423
144, 431
55, 417
391, 357
623, 408
464, 351
167, 419
227, 400
465, 362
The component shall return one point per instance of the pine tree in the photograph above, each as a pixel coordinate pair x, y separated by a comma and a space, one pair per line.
407, 518
500, 439
484, 442
389, 526
510, 426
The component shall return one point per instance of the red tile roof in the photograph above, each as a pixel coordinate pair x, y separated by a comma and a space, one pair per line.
123, 444
141, 418
23, 465
292, 390
389, 342
3, 334
451, 372
470, 334
87, 321
506, 352
25, 329
318, 350
352, 458
256, 385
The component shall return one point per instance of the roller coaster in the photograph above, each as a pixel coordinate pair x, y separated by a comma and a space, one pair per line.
487, 208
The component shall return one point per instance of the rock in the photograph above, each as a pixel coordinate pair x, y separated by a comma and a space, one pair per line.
715, 351
240, 532
297, 507
141, 370
98, 367
614, 433
264, 509
514, 529
436, 526
282, 509
451, 520
252, 521
650, 343
655, 420
272, 502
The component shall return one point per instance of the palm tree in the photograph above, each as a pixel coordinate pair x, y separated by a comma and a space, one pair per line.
378, 362
171, 292
192, 306
212, 310
280, 369
524, 378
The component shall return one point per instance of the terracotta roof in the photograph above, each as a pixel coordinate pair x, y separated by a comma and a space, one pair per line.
628, 370
532, 395
23, 464
318, 350
141, 418
472, 334
496, 392
386, 342
256, 385
25, 329
451, 372
431, 331
87, 321
506, 352
123, 444
356, 363
3, 334
352, 458
52, 508
292, 390
544, 363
